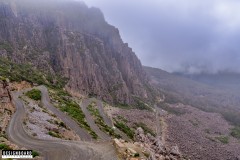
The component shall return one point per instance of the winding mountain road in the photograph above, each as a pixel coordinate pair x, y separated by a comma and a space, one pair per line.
55, 149
109, 121
106, 119
65, 118
91, 122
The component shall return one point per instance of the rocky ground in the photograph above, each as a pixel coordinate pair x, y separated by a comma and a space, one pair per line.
43, 124
146, 147
133, 116
197, 134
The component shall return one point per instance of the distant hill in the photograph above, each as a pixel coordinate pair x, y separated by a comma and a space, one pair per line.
223, 80
194, 91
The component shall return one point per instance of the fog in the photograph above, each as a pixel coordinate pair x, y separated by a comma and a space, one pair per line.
179, 35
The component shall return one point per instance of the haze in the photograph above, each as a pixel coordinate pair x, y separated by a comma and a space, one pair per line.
189, 36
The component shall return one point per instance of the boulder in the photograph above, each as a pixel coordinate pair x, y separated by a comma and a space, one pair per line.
175, 151
118, 144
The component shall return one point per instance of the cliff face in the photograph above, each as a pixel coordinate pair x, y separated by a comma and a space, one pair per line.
74, 41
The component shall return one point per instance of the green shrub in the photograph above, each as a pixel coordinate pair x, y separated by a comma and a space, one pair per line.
235, 132
139, 104
136, 155
34, 94
3, 146
35, 154
62, 125
124, 128
100, 122
223, 139
53, 134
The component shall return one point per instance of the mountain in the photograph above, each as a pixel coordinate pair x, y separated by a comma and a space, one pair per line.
223, 80
67, 40
194, 92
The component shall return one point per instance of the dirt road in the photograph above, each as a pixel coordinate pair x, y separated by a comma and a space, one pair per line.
51, 149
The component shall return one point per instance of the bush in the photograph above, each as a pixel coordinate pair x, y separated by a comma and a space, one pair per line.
53, 134
62, 125
124, 128
35, 154
140, 104
34, 94
136, 155
3, 146
100, 122
236, 132
223, 139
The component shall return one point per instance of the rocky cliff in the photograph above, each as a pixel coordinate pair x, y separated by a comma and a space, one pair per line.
69, 39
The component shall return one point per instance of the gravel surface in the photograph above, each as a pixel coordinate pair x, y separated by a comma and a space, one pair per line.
195, 133
134, 116
40, 121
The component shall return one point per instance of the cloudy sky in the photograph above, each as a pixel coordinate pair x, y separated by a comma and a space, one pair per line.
179, 35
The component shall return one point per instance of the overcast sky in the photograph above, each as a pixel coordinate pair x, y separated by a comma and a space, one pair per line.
176, 35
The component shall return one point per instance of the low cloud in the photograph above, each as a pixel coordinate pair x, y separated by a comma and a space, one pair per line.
185, 35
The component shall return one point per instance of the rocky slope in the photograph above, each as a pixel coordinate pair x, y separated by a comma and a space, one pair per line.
202, 135
68, 39
205, 97
6, 108
200, 118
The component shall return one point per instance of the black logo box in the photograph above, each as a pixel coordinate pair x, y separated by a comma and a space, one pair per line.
16, 152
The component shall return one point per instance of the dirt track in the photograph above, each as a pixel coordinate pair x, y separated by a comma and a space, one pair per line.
55, 150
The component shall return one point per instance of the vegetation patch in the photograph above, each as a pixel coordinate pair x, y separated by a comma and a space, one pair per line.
54, 134
34, 94
136, 155
69, 106
140, 104
3, 146
35, 154
235, 132
6, 46
223, 139
3, 134
122, 119
124, 128
27, 72
123, 105
145, 128
100, 122
172, 110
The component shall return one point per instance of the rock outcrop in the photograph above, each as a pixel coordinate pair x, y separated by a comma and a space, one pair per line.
6, 108
156, 149
69, 39
146, 147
